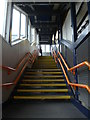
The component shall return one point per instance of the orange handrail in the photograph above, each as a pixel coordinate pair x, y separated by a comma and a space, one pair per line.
75, 67
16, 80
9, 69
71, 84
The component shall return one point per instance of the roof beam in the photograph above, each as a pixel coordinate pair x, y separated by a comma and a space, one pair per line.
39, 13
45, 25
43, 33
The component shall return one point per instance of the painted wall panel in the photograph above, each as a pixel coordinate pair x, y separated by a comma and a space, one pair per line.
11, 56
83, 73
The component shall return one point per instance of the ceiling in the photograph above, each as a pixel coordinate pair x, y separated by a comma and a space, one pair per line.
46, 17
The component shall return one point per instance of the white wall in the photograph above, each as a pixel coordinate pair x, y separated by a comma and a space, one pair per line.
11, 56
67, 29
0, 79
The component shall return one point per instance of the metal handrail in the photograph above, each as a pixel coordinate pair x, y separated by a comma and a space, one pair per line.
69, 83
75, 67
16, 80
9, 69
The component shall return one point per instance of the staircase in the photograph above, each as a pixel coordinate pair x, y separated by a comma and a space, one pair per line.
43, 81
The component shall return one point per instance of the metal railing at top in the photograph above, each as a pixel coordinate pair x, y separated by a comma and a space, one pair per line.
70, 69
30, 59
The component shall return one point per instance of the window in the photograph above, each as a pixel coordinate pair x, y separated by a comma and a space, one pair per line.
37, 39
67, 29
43, 47
3, 11
29, 30
19, 23
15, 24
53, 37
32, 35
47, 48
56, 35
23, 26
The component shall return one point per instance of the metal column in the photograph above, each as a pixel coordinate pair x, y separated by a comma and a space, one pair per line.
74, 27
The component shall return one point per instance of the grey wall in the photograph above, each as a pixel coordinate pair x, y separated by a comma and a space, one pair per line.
83, 73
67, 29
63, 50
69, 59
68, 56
89, 71
82, 54
11, 56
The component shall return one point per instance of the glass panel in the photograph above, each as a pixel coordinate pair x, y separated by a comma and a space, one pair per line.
47, 48
15, 24
23, 26
3, 11
43, 47
37, 40
32, 35
53, 37
29, 30
57, 35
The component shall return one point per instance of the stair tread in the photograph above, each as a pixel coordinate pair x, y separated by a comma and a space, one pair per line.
42, 85
43, 97
44, 80
43, 72
42, 90
27, 76
43, 69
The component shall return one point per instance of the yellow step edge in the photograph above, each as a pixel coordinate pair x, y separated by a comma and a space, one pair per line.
42, 97
57, 85
46, 61
45, 65
27, 76
38, 67
50, 62
43, 73
50, 58
46, 69
41, 63
43, 90
44, 80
